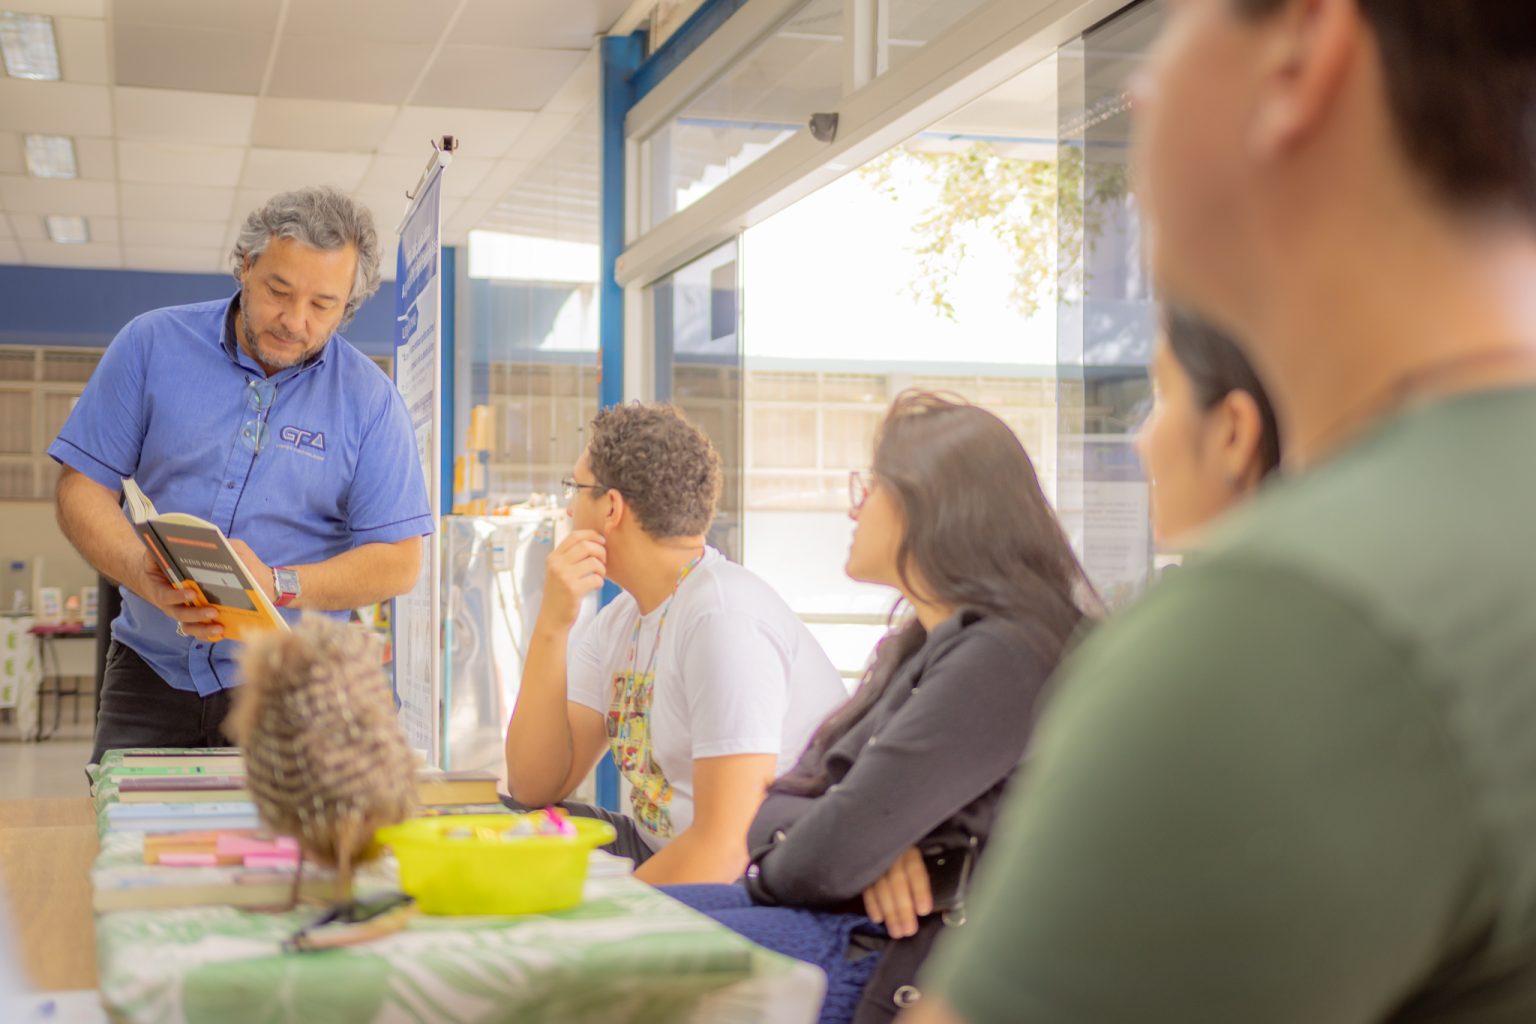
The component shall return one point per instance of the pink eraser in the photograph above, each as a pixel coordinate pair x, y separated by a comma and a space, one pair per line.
188, 860
271, 860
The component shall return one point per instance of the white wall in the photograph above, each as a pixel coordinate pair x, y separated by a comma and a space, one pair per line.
29, 533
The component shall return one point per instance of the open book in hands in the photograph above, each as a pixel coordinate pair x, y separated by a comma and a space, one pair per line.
197, 557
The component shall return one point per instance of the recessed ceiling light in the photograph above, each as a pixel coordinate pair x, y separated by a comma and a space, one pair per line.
68, 230
27, 43
51, 156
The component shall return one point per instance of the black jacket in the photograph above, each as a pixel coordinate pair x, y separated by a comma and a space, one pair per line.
925, 767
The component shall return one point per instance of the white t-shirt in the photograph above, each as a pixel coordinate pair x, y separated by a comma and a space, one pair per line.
736, 672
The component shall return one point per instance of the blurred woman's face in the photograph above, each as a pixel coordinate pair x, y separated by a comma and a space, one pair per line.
877, 534
1180, 448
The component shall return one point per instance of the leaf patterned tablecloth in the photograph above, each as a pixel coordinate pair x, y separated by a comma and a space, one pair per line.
626, 954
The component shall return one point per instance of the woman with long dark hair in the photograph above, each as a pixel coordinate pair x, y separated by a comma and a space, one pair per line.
860, 854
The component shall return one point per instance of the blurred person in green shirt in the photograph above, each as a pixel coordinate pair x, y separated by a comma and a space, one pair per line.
1297, 783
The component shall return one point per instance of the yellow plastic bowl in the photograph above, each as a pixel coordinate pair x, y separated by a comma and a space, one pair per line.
474, 876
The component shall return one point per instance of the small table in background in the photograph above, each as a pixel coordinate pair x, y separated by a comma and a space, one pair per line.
51, 658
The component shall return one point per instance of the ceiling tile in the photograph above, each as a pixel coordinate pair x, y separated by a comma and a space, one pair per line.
13, 154
170, 163
41, 195
28, 227
581, 90
391, 175
96, 159
62, 8
183, 233
398, 21
253, 17
481, 133
10, 252
277, 170
83, 50
361, 72
388, 210
191, 59
169, 116
177, 202
501, 178
106, 230
464, 176
91, 254
496, 78
320, 124
547, 24
175, 258
59, 108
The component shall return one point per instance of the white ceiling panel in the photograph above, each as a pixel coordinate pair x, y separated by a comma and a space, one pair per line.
189, 59
177, 202
83, 50
309, 67
382, 21
464, 175
96, 159
496, 78
320, 124
59, 108
391, 175
61, 8
550, 24
185, 233
28, 227
171, 116
13, 155
91, 254
107, 230
253, 17
177, 258
481, 133
186, 114
40, 195
171, 163
581, 90
278, 170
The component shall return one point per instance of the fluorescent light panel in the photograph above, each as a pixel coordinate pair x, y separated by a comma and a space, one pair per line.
28, 46
68, 230
51, 156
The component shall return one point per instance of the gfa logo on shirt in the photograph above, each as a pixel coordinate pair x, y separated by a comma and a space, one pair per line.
305, 442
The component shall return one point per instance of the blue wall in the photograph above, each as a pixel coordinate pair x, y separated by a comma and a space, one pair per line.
86, 308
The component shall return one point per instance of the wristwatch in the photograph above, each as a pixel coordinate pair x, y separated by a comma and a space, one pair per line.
285, 582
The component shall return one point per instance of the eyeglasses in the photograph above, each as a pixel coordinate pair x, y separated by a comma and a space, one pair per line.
570, 488
259, 397
858, 490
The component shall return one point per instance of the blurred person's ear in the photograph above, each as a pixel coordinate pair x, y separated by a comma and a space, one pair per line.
1237, 426
1312, 49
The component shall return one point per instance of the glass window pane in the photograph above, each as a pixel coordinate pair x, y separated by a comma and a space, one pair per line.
699, 369
765, 98
533, 329
1108, 312
933, 267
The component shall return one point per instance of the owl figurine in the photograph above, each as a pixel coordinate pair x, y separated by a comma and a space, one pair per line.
326, 759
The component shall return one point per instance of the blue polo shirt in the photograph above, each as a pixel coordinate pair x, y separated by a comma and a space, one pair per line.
338, 467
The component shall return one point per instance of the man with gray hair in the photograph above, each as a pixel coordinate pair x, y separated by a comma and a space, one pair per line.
252, 413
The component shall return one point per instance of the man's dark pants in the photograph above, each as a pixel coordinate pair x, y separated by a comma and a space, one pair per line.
139, 709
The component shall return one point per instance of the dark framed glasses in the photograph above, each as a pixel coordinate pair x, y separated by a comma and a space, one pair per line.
259, 397
570, 488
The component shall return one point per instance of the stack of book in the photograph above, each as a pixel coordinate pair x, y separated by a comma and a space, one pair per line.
179, 830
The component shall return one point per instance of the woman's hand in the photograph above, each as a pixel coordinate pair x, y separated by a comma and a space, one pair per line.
900, 896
